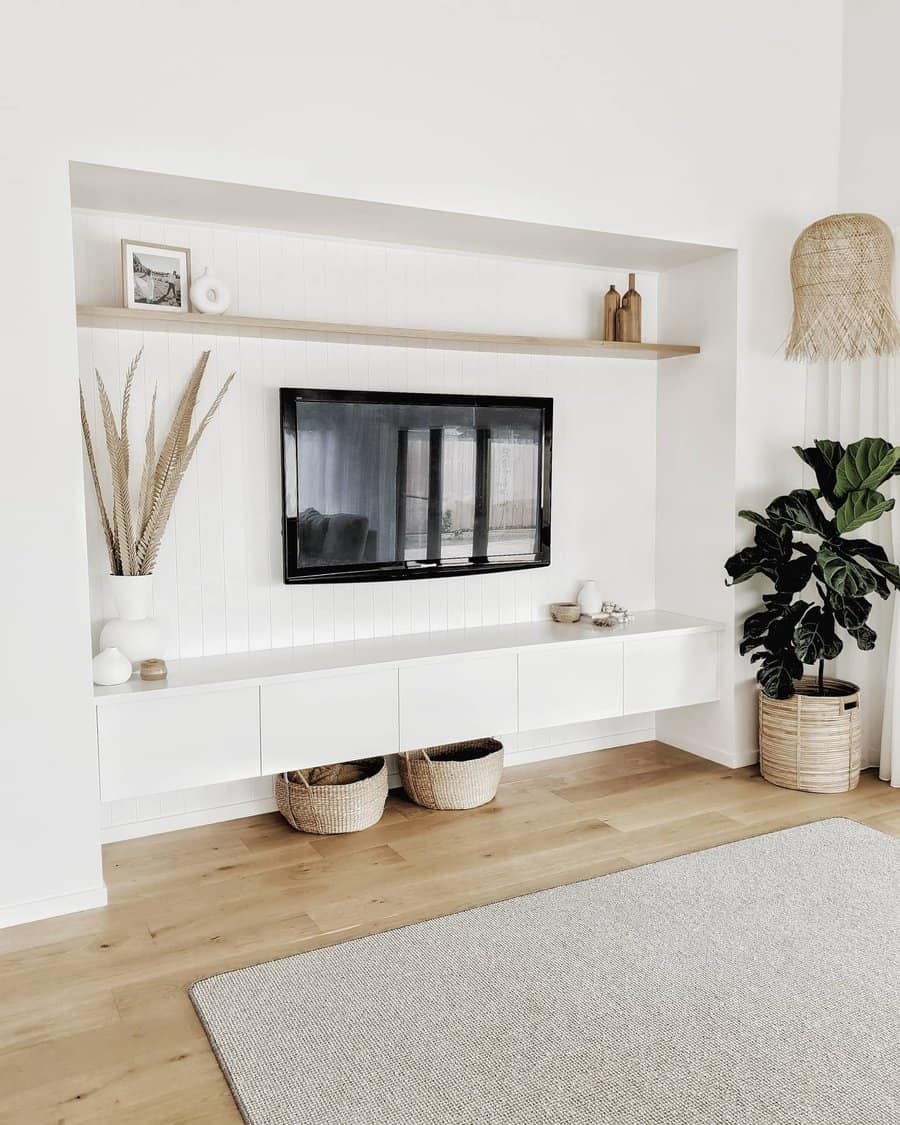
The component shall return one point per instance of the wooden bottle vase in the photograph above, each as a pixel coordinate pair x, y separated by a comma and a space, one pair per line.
611, 304
628, 317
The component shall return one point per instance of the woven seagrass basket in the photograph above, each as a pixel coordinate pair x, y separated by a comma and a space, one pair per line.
324, 802
811, 741
459, 775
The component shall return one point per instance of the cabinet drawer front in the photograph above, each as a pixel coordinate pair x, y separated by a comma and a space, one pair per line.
323, 719
179, 742
666, 672
569, 685
452, 700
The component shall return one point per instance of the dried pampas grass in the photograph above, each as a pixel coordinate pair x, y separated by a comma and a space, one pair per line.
841, 271
133, 540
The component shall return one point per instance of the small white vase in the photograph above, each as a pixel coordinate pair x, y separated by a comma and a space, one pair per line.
111, 667
134, 632
589, 597
210, 294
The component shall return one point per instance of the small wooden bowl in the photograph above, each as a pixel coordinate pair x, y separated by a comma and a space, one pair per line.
153, 669
566, 613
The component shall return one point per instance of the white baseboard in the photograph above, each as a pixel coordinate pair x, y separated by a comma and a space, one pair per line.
21, 912
733, 759
579, 746
194, 819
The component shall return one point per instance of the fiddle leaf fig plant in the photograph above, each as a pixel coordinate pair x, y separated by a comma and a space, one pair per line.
798, 541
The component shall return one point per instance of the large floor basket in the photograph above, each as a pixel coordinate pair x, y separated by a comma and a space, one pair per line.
810, 741
459, 775
322, 801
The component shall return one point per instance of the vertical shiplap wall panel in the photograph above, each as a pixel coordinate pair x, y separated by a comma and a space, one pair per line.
218, 582
258, 538
229, 433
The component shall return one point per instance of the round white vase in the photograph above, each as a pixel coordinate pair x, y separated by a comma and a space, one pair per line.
111, 667
210, 294
134, 632
589, 597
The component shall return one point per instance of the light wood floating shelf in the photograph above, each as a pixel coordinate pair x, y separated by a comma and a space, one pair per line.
109, 317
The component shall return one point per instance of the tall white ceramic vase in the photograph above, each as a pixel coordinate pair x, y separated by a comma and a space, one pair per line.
133, 631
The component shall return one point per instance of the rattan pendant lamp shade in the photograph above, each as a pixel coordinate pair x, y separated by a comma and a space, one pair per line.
841, 273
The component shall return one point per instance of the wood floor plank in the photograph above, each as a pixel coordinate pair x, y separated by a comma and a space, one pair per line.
888, 822
436, 895
678, 837
35, 1017
95, 1022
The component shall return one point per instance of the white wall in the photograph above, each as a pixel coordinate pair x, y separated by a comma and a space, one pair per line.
49, 814
218, 585
679, 120
699, 121
870, 154
219, 580
695, 473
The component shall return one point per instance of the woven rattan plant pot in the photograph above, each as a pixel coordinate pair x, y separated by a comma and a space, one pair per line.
810, 741
326, 810
459, 775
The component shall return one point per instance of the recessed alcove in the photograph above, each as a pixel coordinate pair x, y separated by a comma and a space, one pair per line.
343, 293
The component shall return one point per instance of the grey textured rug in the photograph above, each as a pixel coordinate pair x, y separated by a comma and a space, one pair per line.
753, 983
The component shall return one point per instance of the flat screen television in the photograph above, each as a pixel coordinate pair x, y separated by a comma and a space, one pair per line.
382, 485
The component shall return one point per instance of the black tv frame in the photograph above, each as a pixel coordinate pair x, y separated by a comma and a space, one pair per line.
399, 571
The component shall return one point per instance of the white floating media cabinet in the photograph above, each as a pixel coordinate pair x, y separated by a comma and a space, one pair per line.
227, 718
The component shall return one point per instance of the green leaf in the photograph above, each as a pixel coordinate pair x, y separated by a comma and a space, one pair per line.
864, 636
861, 507
875, 556
777, 673
823, 458
800, 511
815, 638
831, 451
794, 575
849, 612
873, 552
757, 624
750, 561
865, 465
843, 575
781, 632
775, 542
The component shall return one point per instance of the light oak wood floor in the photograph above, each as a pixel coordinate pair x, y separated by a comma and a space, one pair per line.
95, 1024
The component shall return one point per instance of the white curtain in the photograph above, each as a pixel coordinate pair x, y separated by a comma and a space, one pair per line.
846, 401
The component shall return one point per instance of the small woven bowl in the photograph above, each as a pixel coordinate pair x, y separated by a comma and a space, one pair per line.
566, 613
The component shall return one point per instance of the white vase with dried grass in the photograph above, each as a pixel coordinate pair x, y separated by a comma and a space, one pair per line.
133, 531
133, 631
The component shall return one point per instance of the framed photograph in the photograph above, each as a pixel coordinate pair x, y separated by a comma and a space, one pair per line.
156, 276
